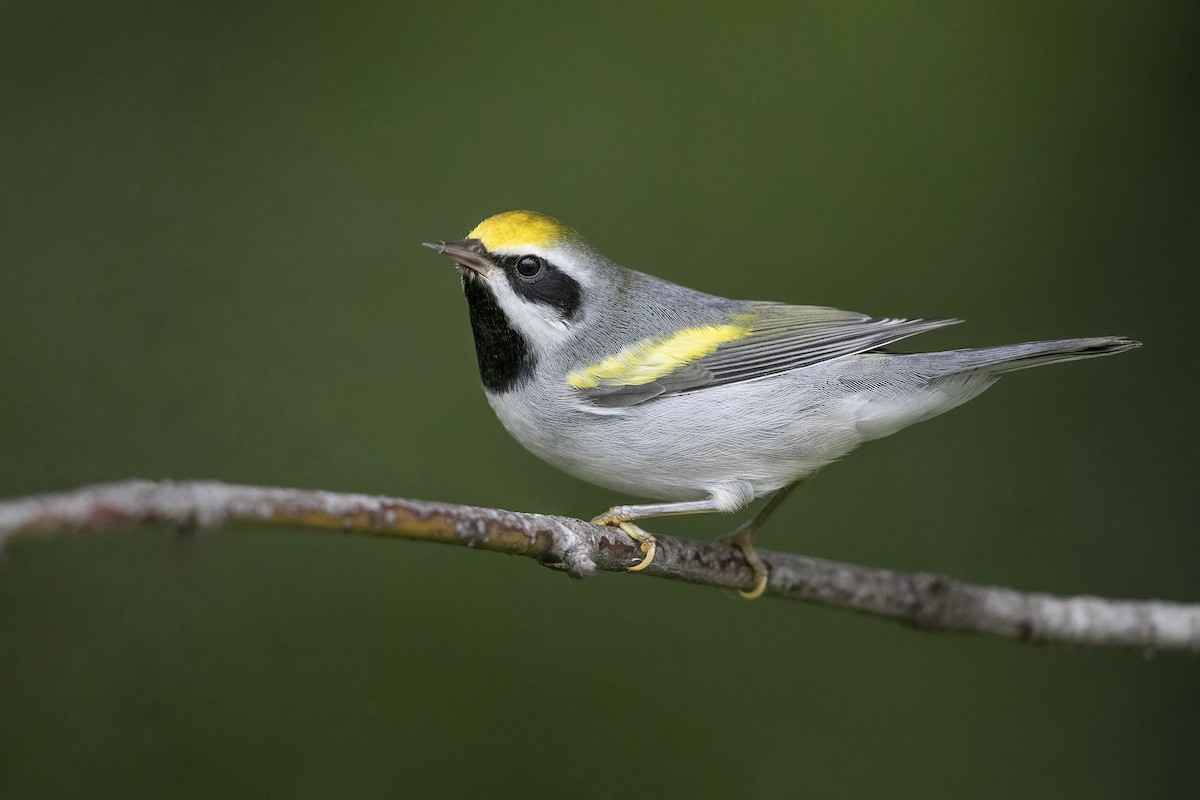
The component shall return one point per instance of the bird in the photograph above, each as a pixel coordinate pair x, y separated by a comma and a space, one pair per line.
698, 402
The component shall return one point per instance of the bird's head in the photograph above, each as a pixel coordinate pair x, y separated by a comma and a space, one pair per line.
533, 287
534, 270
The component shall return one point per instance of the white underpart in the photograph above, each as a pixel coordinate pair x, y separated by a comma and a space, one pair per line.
730, 443
732, 495
883, 410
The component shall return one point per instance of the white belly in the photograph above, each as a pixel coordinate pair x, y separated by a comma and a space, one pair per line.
688, 446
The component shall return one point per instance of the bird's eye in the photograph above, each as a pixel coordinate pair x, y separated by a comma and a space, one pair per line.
530, 266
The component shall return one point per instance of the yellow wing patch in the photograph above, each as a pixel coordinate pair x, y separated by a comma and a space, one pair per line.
514, 230
651, 359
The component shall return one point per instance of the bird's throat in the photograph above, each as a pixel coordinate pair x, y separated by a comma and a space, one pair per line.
505, 358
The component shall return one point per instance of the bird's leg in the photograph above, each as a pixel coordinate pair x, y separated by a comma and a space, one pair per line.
623, 516
743, 539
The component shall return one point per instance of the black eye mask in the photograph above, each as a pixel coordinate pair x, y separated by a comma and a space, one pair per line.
537, 280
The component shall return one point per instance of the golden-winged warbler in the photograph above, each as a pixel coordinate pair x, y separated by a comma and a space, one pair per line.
660, 391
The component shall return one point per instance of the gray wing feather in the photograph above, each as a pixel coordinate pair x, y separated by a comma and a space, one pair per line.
783, 338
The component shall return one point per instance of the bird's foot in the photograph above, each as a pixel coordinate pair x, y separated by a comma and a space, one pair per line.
646, 541
742, 539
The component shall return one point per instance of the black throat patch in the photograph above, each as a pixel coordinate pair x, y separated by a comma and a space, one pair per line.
505, 359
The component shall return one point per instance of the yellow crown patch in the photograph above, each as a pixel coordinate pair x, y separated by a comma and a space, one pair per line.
513, 230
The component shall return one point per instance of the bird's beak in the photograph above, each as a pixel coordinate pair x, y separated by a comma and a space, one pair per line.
469, 253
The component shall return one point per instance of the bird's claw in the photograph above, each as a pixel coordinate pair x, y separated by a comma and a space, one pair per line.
646, 541
742, 539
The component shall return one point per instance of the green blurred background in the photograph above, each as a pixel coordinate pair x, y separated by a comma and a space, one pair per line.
209, 241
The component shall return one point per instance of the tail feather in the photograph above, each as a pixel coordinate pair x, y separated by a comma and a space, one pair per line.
1012, 357
928, 384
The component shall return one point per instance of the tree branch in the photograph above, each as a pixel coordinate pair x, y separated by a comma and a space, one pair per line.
932, 602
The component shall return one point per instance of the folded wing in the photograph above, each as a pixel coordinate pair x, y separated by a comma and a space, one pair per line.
767, 340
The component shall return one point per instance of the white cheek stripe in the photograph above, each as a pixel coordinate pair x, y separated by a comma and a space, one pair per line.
542, 325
